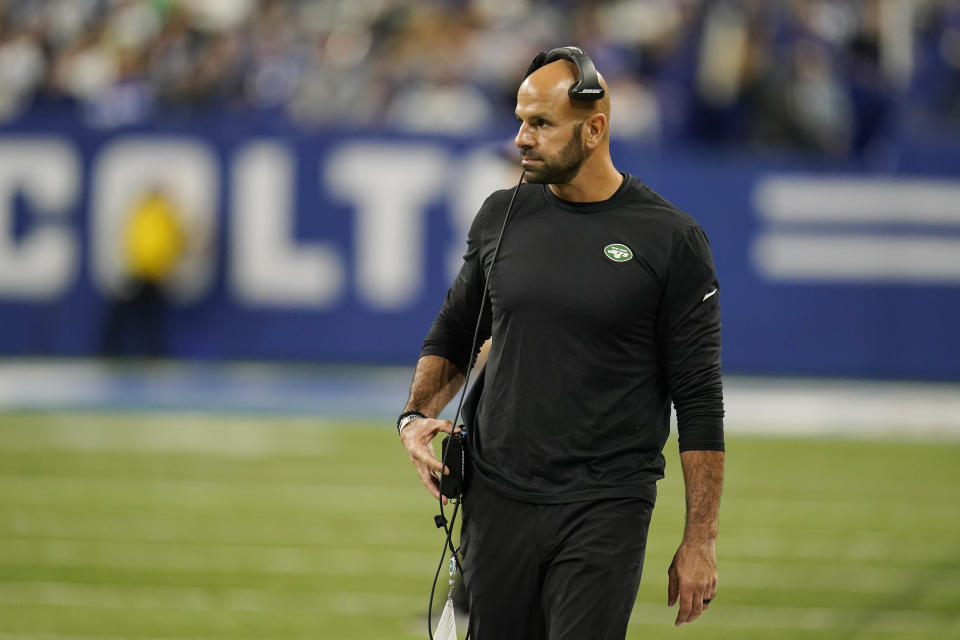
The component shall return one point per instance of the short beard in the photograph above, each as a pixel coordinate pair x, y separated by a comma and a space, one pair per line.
562, 167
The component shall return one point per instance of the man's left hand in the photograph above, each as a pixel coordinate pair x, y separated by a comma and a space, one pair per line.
693, 579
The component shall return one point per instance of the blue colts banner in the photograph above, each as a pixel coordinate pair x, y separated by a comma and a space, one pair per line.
339, 248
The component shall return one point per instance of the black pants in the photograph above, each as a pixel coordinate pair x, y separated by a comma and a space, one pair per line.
556, 571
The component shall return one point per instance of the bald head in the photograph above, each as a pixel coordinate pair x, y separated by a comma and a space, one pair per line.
563, 142
550, 85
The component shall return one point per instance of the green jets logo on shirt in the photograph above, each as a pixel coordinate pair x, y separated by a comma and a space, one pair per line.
618, 252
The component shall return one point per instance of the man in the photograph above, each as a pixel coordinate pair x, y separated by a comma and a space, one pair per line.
602, 307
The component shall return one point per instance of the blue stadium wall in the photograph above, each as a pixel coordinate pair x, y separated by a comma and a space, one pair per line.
332, 247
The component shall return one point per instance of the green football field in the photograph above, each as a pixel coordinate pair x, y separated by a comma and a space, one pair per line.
159, 525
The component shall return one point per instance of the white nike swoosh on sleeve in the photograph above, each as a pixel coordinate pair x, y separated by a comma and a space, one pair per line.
709, 295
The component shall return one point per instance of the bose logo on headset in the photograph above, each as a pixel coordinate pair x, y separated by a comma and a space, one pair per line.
588, 86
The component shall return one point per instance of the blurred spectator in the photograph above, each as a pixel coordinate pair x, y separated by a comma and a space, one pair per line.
828, 76
802, 106
936, 80
22, 70
153, 245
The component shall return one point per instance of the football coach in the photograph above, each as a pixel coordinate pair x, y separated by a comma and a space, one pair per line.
603, 307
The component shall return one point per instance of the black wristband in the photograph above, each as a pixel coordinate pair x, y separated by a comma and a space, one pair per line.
407, 414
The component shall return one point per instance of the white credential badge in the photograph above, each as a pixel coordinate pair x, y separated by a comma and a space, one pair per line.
447, 627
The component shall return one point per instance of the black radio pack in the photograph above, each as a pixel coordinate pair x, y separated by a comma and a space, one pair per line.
454, 455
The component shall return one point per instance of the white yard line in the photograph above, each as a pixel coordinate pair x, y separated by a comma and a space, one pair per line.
856, 621
64, 636
56, 594
731, 546
205, 599
817, 573
193, 557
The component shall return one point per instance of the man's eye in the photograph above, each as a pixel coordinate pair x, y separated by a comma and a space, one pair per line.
543, 123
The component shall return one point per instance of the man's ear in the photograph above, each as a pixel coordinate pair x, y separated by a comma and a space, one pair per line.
594, 129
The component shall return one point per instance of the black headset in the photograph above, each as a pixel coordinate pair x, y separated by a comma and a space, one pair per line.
588, 86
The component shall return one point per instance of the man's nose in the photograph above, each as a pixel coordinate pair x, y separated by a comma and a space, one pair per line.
524, 137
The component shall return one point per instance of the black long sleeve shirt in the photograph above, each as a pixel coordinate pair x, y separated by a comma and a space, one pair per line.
600, 314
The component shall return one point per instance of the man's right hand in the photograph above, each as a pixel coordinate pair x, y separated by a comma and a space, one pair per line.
417, 438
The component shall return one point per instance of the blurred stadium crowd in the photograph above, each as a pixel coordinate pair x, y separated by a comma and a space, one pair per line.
837, 77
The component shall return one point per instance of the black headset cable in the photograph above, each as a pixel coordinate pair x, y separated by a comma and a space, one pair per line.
448, 527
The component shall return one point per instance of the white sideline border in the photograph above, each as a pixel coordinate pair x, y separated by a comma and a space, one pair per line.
754, 405
865, 408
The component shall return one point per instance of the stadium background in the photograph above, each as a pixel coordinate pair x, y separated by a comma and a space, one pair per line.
225, 226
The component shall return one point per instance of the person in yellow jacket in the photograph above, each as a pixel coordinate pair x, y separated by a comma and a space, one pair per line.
154, 241
153, 244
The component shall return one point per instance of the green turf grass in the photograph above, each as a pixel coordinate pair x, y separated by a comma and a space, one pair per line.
198, 526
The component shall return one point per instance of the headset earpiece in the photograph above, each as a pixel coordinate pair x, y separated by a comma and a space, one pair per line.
587, 87
538, 62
